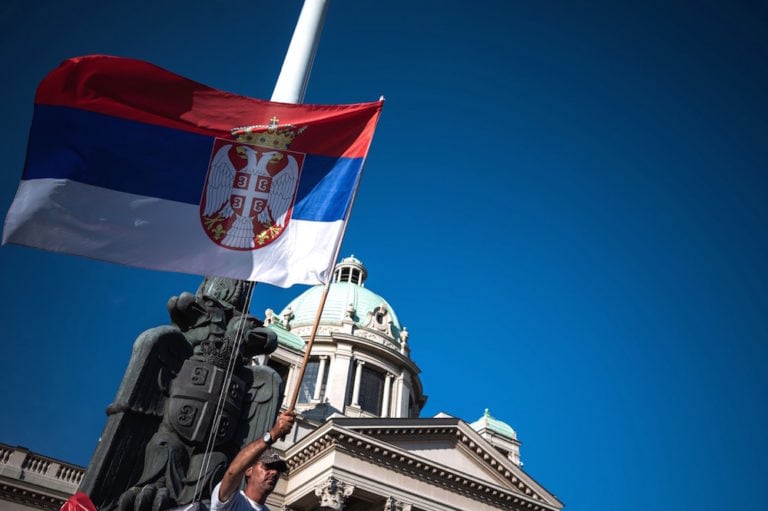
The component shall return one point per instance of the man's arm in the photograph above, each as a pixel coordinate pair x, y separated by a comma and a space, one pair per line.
249, 454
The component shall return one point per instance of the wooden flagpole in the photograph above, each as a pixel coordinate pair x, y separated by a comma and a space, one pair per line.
323, 298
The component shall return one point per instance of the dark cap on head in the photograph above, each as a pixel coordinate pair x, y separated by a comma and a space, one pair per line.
272, 459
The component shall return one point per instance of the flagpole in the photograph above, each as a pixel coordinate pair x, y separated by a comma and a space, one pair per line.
294, 75
290, 87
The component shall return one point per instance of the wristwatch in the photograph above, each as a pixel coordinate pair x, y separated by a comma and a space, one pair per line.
268, 438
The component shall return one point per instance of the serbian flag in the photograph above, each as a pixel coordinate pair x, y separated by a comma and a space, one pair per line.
130, 163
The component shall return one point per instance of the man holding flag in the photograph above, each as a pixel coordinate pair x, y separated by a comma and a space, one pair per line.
261, 467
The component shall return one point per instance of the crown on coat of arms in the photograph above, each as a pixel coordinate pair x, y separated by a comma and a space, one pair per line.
271, 135
215, 352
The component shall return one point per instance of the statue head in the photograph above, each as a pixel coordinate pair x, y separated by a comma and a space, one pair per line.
231, 291
255, 338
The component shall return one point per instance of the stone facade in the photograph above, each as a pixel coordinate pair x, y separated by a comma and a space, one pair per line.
435, 464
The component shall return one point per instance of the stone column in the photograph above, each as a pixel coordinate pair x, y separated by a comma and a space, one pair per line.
338, 376
398, 408
334, 493
320, 376
405, 394
289, 384
356, 388
386, 399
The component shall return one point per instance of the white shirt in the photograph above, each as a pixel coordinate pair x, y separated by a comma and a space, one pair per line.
237, 502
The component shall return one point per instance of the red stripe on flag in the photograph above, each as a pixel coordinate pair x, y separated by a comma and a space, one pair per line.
139, 91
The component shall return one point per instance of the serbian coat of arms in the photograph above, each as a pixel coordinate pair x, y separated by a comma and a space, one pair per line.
251, 187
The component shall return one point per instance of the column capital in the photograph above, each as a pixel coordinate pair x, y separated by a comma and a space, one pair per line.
333, 493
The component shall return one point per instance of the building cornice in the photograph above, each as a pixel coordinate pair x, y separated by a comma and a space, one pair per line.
354, 438
329, 334
30, 498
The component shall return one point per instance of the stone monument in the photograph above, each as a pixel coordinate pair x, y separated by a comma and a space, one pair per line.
164, 445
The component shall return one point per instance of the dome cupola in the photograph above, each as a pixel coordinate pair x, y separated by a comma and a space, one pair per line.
499, 434
350, 308
350, 269
360, 364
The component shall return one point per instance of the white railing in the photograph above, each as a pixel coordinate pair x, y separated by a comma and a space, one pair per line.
18, 463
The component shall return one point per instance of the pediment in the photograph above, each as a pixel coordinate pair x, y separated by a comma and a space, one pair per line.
445, 450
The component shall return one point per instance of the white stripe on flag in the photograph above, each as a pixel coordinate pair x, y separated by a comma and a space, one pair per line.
85, 220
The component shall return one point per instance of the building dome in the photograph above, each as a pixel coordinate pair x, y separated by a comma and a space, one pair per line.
491, 423
359, 365
499, 434
348, 303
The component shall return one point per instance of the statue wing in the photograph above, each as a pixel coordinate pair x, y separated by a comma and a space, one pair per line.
135, 415
220, 180
266, 396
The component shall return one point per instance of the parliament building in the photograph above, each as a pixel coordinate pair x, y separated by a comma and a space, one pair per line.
359, 443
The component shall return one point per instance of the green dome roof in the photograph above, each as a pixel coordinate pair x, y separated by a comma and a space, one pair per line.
340, 296
286, 338
491, 423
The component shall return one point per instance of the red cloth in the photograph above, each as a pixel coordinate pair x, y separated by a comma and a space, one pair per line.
78, 502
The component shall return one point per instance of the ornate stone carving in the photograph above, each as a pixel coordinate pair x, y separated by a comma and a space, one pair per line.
334, 493
287, 317
369, 335
404, 349
302, 331
380, 319
349, 313
393, 504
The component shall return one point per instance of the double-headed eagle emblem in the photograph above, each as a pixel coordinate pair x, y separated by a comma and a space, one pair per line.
251, 186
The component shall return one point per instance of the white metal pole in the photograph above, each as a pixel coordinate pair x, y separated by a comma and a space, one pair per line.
290, 88
294, 75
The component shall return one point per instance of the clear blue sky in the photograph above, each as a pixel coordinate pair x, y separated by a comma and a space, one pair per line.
566, 203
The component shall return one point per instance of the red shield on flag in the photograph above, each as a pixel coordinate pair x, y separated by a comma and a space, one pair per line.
249, 194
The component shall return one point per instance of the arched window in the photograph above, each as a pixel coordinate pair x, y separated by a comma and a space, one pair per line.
307, 388
309, 382
371, 390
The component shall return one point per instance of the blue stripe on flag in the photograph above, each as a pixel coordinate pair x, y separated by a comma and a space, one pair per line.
120, 155
154, 161
326, 188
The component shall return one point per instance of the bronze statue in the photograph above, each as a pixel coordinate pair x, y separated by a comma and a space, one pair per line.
152, 453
